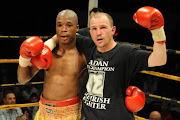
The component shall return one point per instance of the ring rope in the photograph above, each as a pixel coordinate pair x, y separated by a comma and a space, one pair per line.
9, 60
147, 95
22, 37
139, 118
169, 51
37, 104
163, 99
158, 74
163, 75
29, 83
12, 106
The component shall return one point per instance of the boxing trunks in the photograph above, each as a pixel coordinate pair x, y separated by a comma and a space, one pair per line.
69, 109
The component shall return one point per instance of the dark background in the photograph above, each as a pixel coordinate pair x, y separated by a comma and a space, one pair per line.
29, 18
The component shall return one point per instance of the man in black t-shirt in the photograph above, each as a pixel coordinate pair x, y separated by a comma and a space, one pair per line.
112, 65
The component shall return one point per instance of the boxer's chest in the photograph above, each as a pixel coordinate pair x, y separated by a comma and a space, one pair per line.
68, 64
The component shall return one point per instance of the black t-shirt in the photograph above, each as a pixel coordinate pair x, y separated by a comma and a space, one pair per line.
103, 92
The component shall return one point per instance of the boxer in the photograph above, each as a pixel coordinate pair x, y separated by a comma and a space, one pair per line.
63, 67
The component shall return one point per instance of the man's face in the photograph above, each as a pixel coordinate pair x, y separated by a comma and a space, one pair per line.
101, 31
34, 99
10, 99
66, 29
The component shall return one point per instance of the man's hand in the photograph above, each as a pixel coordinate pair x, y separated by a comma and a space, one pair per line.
25, 116
151, 18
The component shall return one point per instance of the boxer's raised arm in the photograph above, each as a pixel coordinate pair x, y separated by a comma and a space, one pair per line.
152, 19
158, 57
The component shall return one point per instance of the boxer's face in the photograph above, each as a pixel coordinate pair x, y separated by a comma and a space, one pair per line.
66, 29
101, 31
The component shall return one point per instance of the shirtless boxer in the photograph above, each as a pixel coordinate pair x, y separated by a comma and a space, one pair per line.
60, 98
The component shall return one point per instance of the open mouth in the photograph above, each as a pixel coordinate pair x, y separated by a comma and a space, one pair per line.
100, 39
64, 37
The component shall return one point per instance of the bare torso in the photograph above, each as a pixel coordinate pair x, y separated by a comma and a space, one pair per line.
62, 79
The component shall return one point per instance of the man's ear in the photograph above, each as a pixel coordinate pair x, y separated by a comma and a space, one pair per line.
113, 30
77, 28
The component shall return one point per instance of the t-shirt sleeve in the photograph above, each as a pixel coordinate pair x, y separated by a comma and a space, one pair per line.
84, 44
84, 32
138, 61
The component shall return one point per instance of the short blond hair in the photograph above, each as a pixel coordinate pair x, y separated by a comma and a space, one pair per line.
99, 14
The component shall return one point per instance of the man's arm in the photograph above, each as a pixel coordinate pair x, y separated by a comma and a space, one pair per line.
152, 19
34, 55
29, 48
24, 75
83, 42
159, 56
54, 40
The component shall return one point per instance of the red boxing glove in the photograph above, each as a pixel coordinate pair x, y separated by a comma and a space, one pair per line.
135, 100
152, 19
29, 48
43, 60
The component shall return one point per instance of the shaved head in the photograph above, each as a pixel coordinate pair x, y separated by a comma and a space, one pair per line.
155, 115
68, 14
